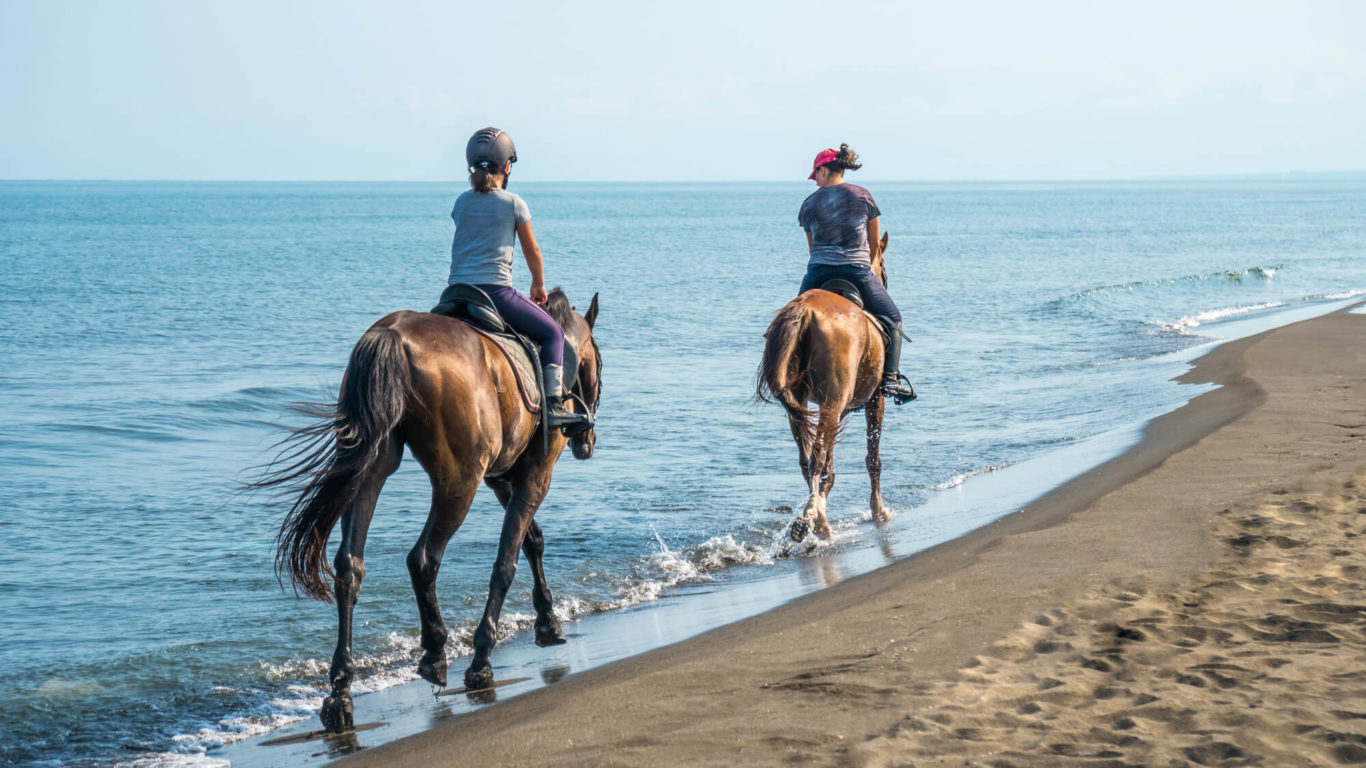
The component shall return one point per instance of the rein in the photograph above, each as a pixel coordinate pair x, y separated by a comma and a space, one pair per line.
597, 378
576, 397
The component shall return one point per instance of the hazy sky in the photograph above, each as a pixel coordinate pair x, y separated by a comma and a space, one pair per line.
679, 90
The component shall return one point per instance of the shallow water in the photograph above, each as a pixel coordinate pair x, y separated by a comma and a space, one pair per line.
152, 335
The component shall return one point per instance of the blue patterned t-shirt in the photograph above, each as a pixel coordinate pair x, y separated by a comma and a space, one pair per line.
837, 218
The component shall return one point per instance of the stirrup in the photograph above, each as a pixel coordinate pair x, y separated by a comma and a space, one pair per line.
897, 387
558, 417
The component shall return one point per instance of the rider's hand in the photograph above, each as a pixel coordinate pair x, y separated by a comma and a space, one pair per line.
538, 293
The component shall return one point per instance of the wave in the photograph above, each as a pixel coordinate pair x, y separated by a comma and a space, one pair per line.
259, 399
137, 433
958, 480
1230, 276
291, 691
1340, 296
1211, 315
1183, 325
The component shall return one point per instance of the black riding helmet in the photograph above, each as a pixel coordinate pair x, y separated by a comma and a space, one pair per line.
490, 148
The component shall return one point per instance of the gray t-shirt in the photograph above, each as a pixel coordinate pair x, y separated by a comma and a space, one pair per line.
837, 218
485, 232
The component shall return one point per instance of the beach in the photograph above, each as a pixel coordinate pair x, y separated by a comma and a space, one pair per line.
1196, 600
1093, 551
1049, 322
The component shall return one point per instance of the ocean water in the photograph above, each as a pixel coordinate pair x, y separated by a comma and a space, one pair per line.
153, 335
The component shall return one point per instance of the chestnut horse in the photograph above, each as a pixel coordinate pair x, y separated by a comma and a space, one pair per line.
824, 349
431, 383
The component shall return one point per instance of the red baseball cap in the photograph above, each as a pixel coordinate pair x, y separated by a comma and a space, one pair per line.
825, 156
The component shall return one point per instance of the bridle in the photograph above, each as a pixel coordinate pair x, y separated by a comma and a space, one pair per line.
597, 381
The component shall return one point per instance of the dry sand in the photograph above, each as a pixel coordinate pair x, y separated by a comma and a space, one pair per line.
1197, 601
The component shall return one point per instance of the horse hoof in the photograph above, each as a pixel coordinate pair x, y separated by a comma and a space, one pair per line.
478, 679
338, 714
549, 634
432, 668
799, 529
823, 532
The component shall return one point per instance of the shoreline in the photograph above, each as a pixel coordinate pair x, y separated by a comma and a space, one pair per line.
837, 667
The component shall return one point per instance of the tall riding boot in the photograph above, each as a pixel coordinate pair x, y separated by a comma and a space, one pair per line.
556, 416
894, 385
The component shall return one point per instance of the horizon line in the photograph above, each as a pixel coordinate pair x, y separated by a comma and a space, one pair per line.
1249, 175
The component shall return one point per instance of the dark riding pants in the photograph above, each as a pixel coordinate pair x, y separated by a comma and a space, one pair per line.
875, 297
528, 319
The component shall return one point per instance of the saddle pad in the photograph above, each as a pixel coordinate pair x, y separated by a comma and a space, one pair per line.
523, 366
517, 357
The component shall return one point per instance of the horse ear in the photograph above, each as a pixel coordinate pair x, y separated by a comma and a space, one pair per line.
592, 314
882, 247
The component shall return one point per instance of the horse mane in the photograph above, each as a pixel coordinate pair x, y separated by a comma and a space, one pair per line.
557, 305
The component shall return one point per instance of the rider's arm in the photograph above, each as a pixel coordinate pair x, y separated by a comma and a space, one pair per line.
809, 241
872, 240
532, 252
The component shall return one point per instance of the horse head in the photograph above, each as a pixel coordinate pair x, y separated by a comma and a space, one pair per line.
588, 379
879, 264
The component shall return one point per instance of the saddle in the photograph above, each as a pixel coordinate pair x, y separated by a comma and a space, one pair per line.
844, 288
850, 291
470, 305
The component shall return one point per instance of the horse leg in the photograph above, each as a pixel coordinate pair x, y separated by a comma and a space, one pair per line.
801, 433
338, 712
548, 630
821, 476
827, 430
812, 457
873, 412
451, 499
522, 504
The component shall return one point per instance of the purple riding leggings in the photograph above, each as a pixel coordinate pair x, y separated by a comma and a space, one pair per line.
530, 320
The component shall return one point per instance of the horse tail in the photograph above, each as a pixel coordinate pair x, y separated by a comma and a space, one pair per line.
782, 366
327, 462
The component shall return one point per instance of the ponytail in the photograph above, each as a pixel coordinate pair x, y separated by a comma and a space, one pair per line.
484, 179
847, 159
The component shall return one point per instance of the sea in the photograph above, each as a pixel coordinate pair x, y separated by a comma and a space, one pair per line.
154, 336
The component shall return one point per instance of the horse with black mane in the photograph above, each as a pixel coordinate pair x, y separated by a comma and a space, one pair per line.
433, 384
822, 348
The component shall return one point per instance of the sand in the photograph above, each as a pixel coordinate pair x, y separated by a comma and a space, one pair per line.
1196, 601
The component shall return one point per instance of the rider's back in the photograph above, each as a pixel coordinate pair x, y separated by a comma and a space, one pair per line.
485, 234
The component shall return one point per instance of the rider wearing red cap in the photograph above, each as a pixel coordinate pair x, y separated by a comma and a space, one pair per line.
840, 220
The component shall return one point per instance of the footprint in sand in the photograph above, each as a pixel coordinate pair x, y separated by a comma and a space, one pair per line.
1258, 663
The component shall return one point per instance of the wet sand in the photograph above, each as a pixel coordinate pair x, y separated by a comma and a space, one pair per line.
1195, 601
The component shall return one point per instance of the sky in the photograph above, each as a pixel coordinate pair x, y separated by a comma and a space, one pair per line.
680, 91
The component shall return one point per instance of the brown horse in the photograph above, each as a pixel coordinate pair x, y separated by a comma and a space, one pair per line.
431, 383
823, 349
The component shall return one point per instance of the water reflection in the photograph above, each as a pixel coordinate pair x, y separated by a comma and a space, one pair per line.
552, 675
342, 744
884, 540
824, 568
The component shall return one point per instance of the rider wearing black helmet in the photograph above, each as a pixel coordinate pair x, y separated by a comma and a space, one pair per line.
488, 220
490, 149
